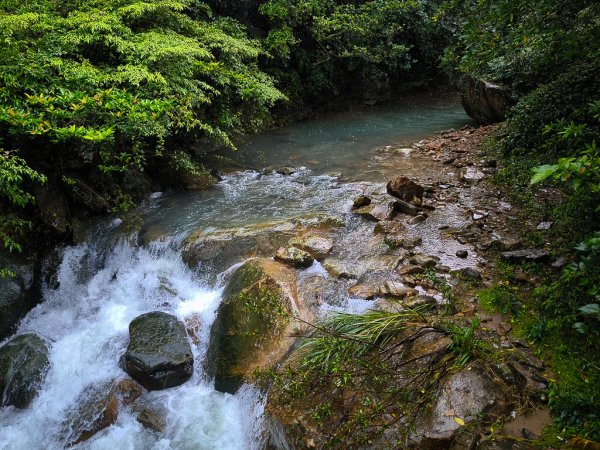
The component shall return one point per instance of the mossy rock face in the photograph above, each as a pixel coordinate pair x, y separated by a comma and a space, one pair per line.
23, 367
159, 355
254, 322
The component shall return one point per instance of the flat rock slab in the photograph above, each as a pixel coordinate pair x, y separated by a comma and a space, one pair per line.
23, 367
159, 355
317, 246
529, 255
377, 211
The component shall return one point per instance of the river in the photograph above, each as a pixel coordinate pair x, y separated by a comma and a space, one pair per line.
117, 274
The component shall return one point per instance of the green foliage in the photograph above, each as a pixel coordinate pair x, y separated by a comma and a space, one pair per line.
13, 173
123, 77
464, 342
336, 45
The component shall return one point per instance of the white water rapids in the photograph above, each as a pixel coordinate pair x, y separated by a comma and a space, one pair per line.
87, 320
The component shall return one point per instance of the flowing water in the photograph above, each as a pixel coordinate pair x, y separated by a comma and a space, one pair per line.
115, 275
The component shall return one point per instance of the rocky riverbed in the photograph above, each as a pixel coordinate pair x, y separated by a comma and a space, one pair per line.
413, 250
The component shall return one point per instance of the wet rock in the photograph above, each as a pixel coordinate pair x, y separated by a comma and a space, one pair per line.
424, 261
389, 227
153, 417
23, 367
317, 246
17, 295
405, 208
338, 268
484, 101
507, 373
294, 257
405, 189
471, 176
418, 219
462, 253
254, 324
360, 201
410, 269
377, 211
505, 243
159, 355
364, 291
408, 243
465, 441
286, 170
470, 273
528, 255
396, 289
96, 409
419, 301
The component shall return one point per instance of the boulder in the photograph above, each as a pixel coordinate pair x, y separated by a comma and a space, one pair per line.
255, 322
360, 201
159, 355
406, 208
425, 261
17, 295
484, 101
294, 257
389, 227
153, 417
364, 291
317, 246
23, 367
528, 255
84, 196
396, 289
54, 210
464, 395
377, 211
339, 268
96, 409
407, 190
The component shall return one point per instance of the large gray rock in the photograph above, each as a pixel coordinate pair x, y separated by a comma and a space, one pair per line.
484, 101
23, 367
159, 355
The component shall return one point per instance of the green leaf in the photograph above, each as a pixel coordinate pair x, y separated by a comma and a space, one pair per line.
543, 172
592, 308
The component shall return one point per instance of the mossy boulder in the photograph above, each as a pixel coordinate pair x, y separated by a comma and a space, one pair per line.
18, 294
23, 367
255, 322
159, 355
484, 101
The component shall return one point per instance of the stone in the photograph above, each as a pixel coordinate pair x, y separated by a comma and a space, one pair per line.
364, 291
84, 196
410, 270
159, 355
417, 219
396, 289
377, 211
255, 322
424, 261
405, 208
317, 246
529, 255
153, 417
470, 273
544, 225
470, 175
462, 253
507, 243
405, 189
97, 408
405, 242
484, 101
286, 170
360, 201
389, 227
338, 268
23, 367
17, 295
463, 395
419, 301
294, 257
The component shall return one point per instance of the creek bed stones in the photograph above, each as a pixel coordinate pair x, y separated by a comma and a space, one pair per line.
159, 355
23, 367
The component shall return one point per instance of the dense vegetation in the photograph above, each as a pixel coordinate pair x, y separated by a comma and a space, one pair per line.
547, 51
95, 94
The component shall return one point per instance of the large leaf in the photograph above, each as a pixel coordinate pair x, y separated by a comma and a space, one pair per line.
543, 172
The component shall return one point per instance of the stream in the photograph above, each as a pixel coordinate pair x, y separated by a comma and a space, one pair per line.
117, 274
